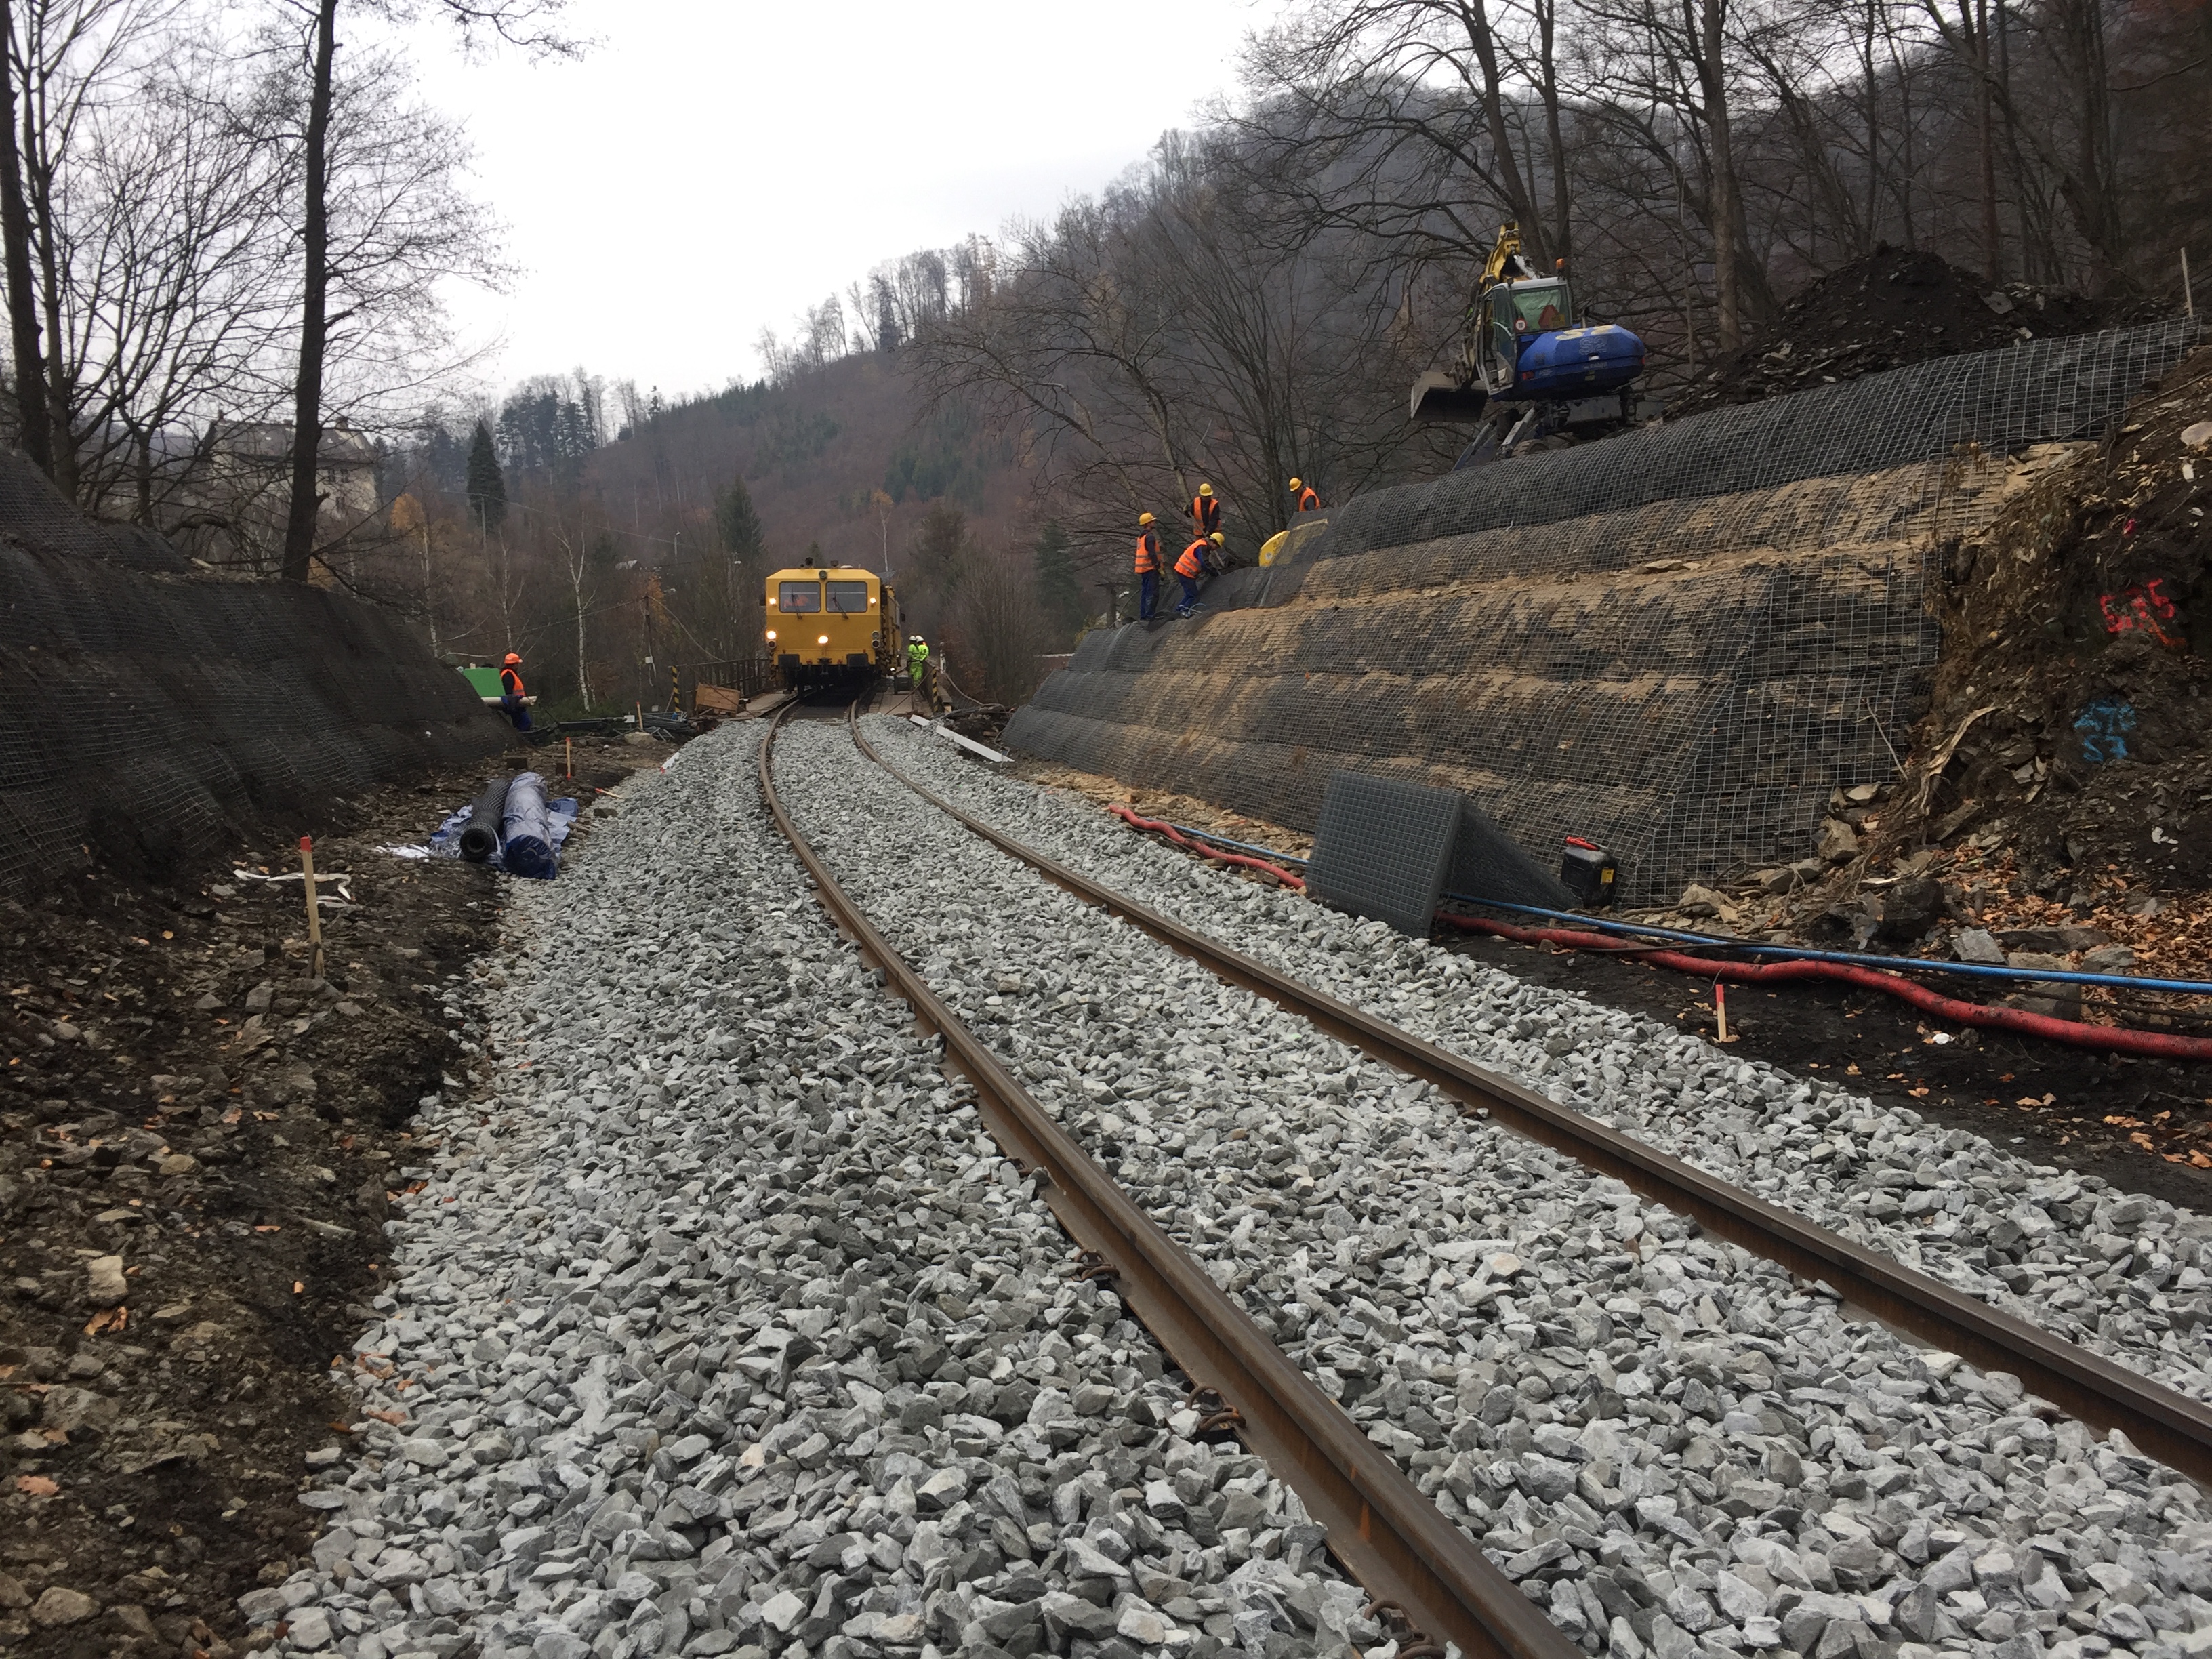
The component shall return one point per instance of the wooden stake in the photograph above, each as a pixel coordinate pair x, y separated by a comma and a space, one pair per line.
569, 744
1720, 1010
2188, 295
314, 910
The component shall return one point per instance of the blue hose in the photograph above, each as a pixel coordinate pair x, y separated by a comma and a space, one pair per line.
1782, 953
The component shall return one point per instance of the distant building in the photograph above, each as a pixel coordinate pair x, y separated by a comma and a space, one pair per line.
257, 454
240, 496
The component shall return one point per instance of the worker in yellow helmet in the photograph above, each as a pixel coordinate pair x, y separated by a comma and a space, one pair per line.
1148, 567
1205, 511
1188, 568
1307, 500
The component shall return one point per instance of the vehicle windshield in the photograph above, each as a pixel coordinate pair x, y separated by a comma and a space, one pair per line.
848, 598
798, 598
1539, 307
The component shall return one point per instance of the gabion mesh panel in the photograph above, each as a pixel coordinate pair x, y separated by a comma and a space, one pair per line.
1675, 642
1382, 847
146, 712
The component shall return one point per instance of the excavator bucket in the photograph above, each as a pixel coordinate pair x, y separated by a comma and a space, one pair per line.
1437, 397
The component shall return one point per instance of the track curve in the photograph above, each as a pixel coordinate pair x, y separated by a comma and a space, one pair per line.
2162, 1422
1390, 1536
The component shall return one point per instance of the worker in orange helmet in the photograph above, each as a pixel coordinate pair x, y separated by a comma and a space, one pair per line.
1187, 569
1148, 567
511, 702
1304, 494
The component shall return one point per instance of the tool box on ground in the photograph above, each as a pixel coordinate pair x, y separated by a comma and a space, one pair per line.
1588, 871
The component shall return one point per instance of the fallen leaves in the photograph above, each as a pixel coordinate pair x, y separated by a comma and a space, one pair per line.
35, 1485
112, 1319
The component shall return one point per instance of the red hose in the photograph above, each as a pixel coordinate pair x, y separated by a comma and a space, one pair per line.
1204, 851
2109, 1039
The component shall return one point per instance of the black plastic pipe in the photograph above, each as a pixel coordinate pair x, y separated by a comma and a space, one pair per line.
480, 835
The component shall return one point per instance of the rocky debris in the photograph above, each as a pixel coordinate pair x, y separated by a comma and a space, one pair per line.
196, 1141
2039, 1242
2062, 781
721, 1328
1892, 307
1672, 1446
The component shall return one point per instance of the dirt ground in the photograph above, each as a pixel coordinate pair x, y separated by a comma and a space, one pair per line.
199, 1140
1892, 307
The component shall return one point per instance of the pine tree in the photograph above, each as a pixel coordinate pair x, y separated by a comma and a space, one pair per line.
1057, 589
740, 526
487, 490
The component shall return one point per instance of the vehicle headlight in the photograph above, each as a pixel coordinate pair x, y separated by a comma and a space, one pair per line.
822, 639
771, 632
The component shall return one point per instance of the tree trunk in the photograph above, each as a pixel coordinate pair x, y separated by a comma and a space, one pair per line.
1985, 141
22, 294
47, 230
1728, 304
307, 392
1547, 14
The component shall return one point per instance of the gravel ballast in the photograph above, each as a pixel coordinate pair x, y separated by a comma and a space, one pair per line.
722, 1328
2123, 1274
1665, 1442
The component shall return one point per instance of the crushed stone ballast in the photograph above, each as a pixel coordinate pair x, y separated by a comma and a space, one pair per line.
721, 1326
1583, 1381
2043, 1245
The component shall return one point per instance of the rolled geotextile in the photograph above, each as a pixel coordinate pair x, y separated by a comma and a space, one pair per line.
480, 835
526, 849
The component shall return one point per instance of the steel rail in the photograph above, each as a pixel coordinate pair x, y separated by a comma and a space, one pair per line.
2162, 1422
1394, 1539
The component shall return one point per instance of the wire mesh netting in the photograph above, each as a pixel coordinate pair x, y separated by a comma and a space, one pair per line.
1677, 641
1382, 847
147, 713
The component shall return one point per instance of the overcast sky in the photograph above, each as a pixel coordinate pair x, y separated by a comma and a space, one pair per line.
711, 168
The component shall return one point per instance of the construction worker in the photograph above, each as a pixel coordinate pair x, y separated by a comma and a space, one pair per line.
917, 660
1148, 567
510, 692
1304, 496
1187, 566
1205, 511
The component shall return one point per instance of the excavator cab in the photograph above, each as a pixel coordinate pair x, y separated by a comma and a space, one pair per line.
1511, 314
1524, 349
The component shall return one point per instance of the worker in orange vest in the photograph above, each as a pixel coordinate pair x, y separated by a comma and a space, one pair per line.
1303, 494
510, 692
1187, 566
1205, 511
1148, 567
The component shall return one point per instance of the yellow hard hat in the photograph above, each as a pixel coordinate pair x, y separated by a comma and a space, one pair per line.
1205, 490
1295, 483
1215, 538
1144, 518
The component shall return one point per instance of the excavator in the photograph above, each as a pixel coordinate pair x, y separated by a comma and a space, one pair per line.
1526, 374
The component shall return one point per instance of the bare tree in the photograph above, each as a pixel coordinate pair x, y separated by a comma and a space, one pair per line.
527, 23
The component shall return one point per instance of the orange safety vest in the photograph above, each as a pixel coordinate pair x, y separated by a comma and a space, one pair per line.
1206, 514
510, 681
1148, 553
1308, 501
1193, 559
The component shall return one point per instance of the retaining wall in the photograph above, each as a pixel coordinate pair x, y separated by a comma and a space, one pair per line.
1677, 642
148, 712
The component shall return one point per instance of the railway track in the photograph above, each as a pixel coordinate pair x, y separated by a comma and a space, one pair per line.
1393, 1537
2168, 1426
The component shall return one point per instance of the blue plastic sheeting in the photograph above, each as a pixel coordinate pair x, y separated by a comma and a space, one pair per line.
560, 817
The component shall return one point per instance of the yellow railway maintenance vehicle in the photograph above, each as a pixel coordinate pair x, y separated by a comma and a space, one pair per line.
833, 625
